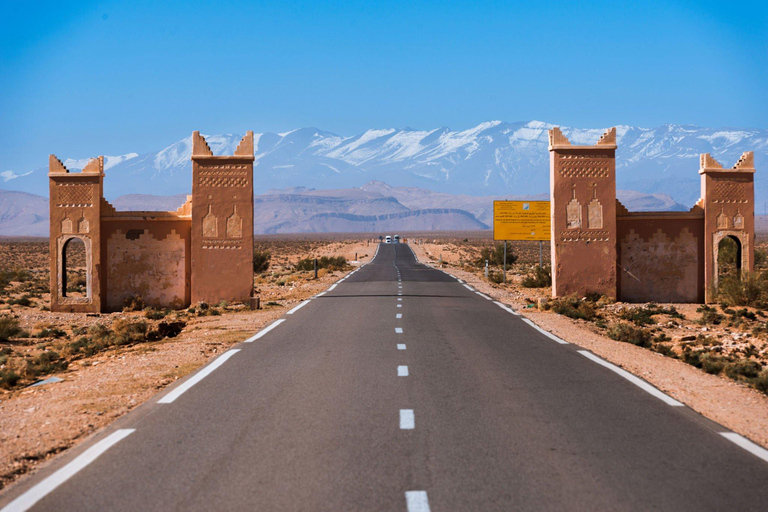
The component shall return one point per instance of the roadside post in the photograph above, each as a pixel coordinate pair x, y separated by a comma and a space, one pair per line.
486, 269
505, 261
521, 221
315, 268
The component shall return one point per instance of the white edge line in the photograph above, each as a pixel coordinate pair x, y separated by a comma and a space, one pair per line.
301, 305
545, 333
320, 294
468, 287
207, 370
42, 489
506, 308
332, 287
633, 379
265, 330
416, 501
743, 442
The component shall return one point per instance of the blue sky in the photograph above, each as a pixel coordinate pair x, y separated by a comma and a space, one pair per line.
112, 77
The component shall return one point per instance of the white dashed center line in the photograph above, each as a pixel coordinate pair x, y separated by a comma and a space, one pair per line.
399, 330
399, 305
402, 371
401, 346
399, 315
399, 299
407, 419
416, 501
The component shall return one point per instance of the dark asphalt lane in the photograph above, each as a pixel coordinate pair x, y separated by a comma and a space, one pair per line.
308, 418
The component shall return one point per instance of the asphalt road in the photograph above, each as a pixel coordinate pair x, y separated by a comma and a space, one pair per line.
437, 399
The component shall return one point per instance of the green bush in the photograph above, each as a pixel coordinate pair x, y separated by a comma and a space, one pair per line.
261, 260
709, 315
9, 327
329, 262
573, 307
8, 378
630, 334
45, 363
540, 278
746, 368
495, 256
639, 316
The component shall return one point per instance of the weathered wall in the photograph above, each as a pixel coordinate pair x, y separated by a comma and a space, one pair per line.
661, 257
75, 211
222, 222
583, 193
148, 258
728, 199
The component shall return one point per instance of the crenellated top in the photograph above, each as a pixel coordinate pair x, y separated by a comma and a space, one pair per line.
608, 138
245, 148
200, 146
55, 166
94, 167
746, 163
556, 138
201, 149
559, 141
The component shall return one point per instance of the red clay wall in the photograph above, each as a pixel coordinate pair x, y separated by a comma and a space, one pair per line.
661, 257
148, 258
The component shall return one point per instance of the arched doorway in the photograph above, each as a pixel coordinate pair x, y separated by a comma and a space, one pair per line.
729, 258
74, 274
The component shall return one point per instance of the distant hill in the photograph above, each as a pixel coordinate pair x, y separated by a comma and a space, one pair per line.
373, 207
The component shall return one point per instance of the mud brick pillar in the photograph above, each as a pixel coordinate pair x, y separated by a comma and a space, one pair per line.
222, 222
583, 209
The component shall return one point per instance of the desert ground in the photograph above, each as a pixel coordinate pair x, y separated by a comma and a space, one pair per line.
713, 359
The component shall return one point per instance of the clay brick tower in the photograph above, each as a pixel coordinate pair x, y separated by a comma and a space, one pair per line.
583, 201
222, 222
75, 202
728, 199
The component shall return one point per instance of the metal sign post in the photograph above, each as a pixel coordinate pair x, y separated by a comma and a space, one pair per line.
540, 245
505, 261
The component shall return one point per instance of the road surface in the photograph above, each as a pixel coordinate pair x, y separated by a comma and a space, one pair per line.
401, 388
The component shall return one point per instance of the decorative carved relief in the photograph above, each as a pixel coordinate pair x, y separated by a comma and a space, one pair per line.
213, 181
730, 190
573, 213
234, 225
585, 165
738, 221
722, 221
581, 235
74, 195
66, 226
83, 226
595, 212
222, 244
210, 224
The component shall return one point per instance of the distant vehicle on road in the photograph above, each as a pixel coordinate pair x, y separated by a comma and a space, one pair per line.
388, 239
397, 239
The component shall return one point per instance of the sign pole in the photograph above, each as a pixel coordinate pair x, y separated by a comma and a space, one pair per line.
505, 261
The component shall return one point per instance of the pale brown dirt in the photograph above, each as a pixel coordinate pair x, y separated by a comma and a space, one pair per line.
37, 423
733, 405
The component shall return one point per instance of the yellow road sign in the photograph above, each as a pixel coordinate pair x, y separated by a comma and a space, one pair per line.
521, 220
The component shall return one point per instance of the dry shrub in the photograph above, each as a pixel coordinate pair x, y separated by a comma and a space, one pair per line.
628, 333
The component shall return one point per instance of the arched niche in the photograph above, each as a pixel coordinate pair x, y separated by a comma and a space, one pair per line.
61, 269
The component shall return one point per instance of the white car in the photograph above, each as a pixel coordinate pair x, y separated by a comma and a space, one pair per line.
397, 239
388, 239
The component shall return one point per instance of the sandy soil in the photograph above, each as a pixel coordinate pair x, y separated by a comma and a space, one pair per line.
734, 405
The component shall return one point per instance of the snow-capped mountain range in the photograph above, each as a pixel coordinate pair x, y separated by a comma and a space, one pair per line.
494, 158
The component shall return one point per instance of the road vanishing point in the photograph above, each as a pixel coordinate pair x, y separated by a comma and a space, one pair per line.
402, 388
